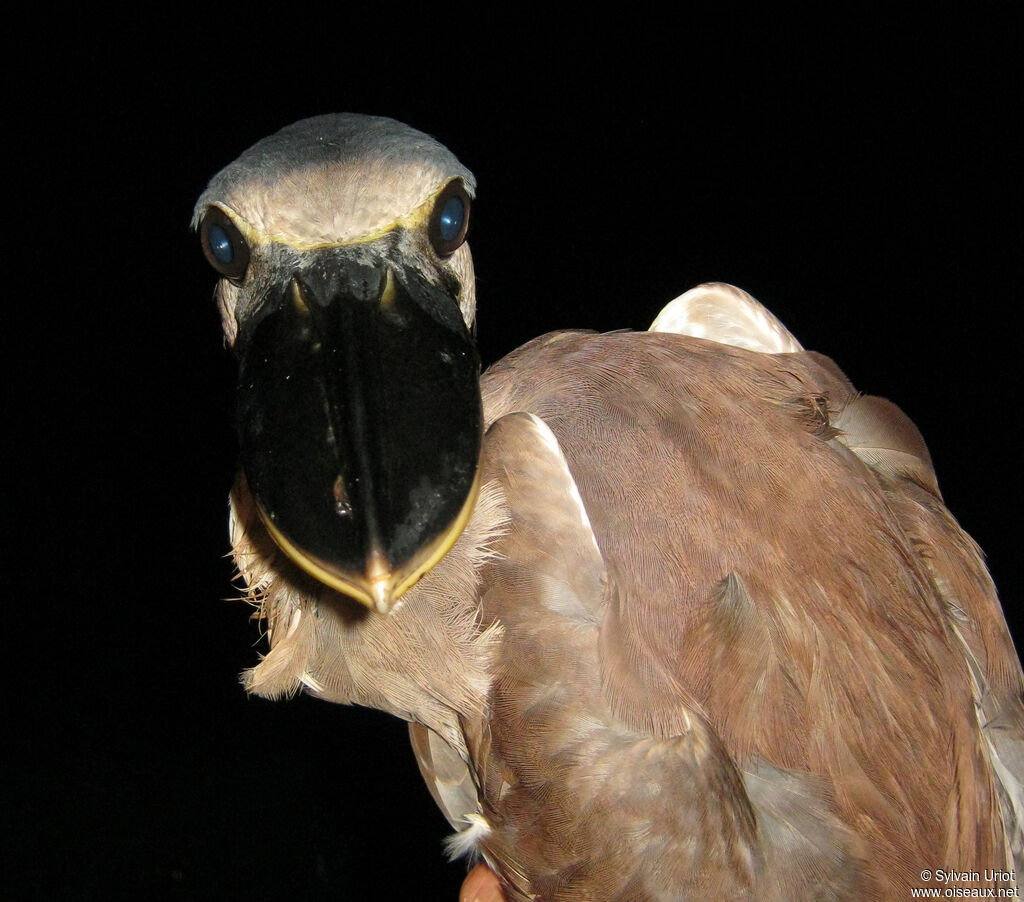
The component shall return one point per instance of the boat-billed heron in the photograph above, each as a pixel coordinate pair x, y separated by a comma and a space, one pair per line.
671, 614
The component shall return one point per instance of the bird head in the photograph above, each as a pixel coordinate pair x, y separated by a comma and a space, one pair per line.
347, 293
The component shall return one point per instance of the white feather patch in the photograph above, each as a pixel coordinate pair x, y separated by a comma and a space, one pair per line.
548, 438
466, 841
726, 314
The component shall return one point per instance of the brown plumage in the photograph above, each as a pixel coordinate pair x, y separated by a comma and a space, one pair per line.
779, 647
709, 632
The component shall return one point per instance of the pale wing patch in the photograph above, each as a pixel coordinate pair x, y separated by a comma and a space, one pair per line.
552, 546
726, 314
546, 436
447, 774
1001, 744
1011, 802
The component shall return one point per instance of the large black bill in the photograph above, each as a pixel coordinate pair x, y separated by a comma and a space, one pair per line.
361, 424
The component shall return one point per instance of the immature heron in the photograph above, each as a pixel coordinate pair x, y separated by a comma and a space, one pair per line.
672, 614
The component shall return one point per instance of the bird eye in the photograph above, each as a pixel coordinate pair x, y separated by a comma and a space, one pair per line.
224, 245
452, 214
450, 218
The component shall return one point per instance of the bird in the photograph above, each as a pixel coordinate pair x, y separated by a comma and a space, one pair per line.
671, 614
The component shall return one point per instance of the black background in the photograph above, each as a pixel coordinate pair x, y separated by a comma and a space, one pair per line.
859, 176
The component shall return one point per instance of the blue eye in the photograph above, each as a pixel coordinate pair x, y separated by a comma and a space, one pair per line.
220, 245
450, 218
224, 245
452, 214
